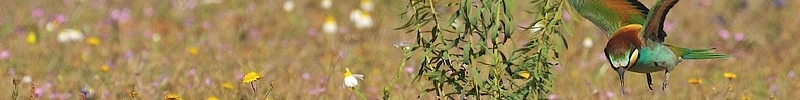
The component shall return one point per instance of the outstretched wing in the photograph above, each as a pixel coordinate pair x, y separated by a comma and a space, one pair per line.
654, 29
610, 15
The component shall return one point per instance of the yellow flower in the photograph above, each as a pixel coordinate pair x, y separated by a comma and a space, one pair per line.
745, 98
31, 38
695, 81
227, 85
172, 97
212, 98
250, 77
94, 41
524, 74
350, 79
133, 94
729, 75
105, 68
192, 50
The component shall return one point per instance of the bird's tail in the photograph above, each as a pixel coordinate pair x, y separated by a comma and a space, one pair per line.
689, 53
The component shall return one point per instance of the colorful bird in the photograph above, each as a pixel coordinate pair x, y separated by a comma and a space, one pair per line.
637, 37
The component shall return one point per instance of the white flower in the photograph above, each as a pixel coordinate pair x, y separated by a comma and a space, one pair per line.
587, 42
49, 27
327, 4
367, 5
156, 37
362, 19
330, 25
288, 6
27, 79
350, 79
68, 35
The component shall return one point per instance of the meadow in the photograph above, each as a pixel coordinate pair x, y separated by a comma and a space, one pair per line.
202, 49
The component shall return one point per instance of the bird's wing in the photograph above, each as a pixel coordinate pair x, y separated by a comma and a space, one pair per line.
654, 27
610, 15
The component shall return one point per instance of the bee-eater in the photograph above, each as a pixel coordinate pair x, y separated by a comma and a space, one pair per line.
632, 46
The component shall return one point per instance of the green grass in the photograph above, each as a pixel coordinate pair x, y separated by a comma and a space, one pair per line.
282, 51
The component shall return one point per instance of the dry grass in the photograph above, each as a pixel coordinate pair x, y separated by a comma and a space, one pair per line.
289, 48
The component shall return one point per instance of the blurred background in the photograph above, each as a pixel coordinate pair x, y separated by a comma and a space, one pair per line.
201, 49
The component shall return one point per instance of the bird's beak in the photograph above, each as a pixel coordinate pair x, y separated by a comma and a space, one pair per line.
621, 72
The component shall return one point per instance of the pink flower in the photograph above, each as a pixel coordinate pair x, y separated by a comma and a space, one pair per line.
409, 69
317, 91
122, 16
739, 36
552, 96
723, 33
306, 76
61, 18
36, 13
5, 54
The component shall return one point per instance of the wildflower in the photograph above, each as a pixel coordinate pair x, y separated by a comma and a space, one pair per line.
350, 79
587, 42
31, 39
723, 33
5, 54
156, 37
227, 85
133, 94
745, 98
27, 79
94, 41
524, 74
695, 81
192, 50
105, 68
288, 6
121, 15
87, 91
729, 76
172, 97
330, 25
250, 77
52, 25
367, 5
739, 36
409, 69
212, 98
362, 19
326, 4
68, 35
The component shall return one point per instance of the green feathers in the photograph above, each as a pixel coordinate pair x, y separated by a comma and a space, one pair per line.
689, 53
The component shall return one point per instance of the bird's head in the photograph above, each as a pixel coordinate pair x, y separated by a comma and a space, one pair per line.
622, 50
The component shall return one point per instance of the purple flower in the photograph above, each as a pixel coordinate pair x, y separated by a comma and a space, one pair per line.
61, 18
312, 32
565, 15
36, 13
720, 20
610, 94
791, 74
779, 3
723, 33
191, 72
207, 81
317, 91
122, 16
409, 69
739, 36
306, 76
552, 96
5, 54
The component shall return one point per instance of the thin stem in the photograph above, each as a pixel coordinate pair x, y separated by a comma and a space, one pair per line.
252, 86
359, 93
268, 92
